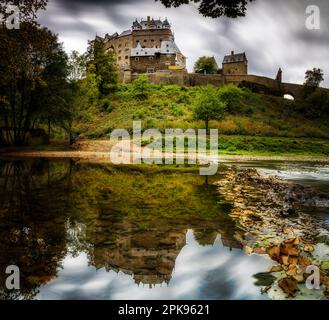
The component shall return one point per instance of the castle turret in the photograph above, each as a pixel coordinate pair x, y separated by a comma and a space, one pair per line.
279, 75
166, 24
136, 25
152, 24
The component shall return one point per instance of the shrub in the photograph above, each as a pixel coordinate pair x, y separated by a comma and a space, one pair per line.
176, 109
141, 87
231, 95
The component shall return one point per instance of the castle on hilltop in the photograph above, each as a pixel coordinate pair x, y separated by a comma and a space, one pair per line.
147, 47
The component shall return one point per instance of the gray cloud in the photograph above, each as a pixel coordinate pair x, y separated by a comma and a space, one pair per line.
273, 33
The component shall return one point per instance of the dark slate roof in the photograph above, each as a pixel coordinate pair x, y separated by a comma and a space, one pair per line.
237, 57
157, 23
98, 38
136, 23
125, 33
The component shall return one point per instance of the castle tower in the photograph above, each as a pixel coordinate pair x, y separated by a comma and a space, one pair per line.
235, 64
279, 76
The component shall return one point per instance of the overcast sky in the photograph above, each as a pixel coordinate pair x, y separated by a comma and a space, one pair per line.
273, 34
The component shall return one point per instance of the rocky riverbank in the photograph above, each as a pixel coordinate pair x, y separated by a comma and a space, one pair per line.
274, 218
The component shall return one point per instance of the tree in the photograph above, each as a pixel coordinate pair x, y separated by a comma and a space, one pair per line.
98, 78
313, 78
105, 67
55, 99
206, 65
27, 8
231, 96
77, 66
141, 87
33, 73
90, 85
317, 104
208, 106
214, 8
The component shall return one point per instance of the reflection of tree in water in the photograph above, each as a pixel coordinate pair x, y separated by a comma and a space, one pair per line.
32, 233
125, 220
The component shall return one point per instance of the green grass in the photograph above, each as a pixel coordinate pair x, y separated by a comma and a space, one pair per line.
255, 124
273, 146
254, 145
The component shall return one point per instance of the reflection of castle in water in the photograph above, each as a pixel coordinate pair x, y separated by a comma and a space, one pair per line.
128, 222
149, 256
149, 261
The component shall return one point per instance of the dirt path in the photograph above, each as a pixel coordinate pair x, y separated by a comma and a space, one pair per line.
99, 151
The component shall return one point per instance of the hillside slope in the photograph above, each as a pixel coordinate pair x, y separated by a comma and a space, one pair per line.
254, 122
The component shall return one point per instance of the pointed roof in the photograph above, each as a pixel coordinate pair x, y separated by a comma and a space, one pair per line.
136, 24
235, 57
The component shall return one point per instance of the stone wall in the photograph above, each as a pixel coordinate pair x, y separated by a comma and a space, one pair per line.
256, 83
158, 62
122, 45
177, 77
198, 79
235, 68
150, 38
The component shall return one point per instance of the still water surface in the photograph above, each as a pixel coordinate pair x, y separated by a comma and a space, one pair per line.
89, 231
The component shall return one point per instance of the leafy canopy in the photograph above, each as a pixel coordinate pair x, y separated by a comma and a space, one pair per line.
208, 105
33, 80
214, 8
205, 65
314, 77
141, 87
28, 9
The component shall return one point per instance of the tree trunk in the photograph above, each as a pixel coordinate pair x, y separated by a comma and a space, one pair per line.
207, 127
49, 127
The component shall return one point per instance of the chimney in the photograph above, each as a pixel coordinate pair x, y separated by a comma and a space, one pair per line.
148, 19
232, 53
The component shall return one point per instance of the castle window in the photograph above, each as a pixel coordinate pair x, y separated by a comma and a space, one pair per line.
126, 57
119, 58
145, 40
151, 58
120, 51
136, 59
145, 53
152, 40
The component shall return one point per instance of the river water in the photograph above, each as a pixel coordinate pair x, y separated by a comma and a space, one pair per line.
91, 231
